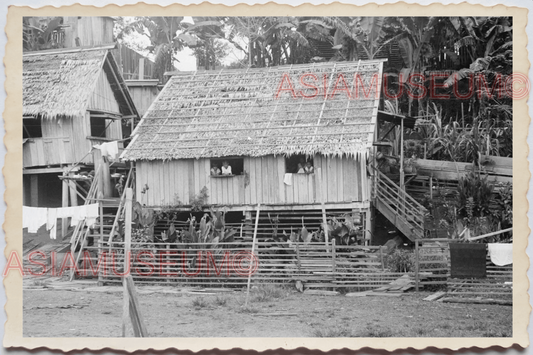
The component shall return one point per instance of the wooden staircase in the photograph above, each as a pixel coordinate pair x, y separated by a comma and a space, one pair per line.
111, 211
398, 207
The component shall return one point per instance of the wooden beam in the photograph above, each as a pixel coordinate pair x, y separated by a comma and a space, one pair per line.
127, 251
253, 249
46, 170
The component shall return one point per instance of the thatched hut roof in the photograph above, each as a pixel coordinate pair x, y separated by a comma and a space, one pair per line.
59, 83
239, 113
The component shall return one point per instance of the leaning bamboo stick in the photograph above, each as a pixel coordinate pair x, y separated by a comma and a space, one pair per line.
253, 250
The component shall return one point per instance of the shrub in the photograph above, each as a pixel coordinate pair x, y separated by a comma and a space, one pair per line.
400, 261
199, 302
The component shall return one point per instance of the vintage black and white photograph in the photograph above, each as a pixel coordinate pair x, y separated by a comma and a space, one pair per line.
281, 177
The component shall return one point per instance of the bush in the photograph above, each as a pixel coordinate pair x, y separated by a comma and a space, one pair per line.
400, 261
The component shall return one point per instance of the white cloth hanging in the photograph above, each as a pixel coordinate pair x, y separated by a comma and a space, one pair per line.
92, 214
501, 254
287, 180
33, 218
51, 224
108, 149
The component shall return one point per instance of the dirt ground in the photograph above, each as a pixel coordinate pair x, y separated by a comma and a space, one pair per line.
92, 311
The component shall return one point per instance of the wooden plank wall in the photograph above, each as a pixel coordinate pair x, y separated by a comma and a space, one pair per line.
142, 96
63, 142
103, 97
262, 183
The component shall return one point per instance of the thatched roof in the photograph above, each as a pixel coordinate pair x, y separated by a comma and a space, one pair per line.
237, 113
59, 83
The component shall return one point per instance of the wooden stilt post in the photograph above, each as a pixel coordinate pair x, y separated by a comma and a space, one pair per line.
417, 266
127, 251
320, 191
73, 193
64, 203
253, 250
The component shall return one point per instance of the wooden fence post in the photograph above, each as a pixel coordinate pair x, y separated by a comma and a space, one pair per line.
253, 249
417, 266
127, 251
320, 189
381, 257
333, 260
168, 265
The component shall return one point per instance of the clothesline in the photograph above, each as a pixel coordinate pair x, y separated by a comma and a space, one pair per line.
34, 217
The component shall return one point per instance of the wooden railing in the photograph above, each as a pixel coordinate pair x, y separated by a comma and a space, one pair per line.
405, 208
79, 236
121, 208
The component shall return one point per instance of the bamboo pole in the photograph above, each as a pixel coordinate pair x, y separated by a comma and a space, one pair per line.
417, 266
127, 251
253, 250
491, 234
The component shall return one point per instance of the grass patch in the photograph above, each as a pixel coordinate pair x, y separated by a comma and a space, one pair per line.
268, 292
199, 302
374, 331
249, 309
221, 300
336, 332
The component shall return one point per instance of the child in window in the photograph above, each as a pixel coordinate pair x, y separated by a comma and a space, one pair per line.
215, 170
309, 168
226, 168
300, 169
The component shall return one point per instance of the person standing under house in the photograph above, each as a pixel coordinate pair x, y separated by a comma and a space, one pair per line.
226, 168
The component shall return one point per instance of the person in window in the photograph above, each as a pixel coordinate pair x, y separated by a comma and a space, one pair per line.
300, 169
215, 170
309, 168
226, 168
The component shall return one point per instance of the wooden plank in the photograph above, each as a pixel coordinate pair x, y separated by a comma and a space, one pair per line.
252, 184
247, 187
190, 178
340, 174
159, 166
196, 176
127, 251
280, 167
259, 180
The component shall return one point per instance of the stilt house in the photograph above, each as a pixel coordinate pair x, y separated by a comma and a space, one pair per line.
72, 99
263, 122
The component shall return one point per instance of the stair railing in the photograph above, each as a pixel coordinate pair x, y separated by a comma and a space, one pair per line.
78, 234
121, 207
405, 206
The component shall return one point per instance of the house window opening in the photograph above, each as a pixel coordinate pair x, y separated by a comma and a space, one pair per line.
98, 127
299, 164
224, 167
32, 128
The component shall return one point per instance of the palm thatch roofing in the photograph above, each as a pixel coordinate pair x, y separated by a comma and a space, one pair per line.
59, 83
244, 113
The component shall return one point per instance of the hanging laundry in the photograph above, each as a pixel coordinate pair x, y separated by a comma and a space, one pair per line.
468, 260
501, 254
92, 214
288, 179
51, 223
109, 149
33, 218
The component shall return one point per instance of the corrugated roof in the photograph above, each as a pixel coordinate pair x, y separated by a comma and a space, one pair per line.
238, 113
60, 83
